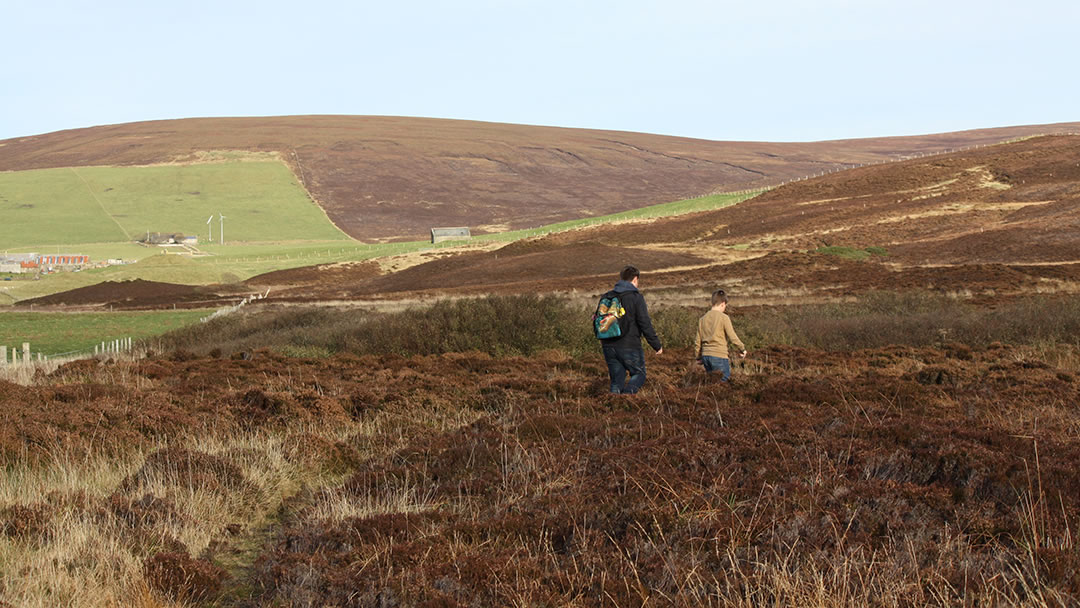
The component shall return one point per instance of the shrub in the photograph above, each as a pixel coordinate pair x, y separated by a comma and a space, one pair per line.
528, 325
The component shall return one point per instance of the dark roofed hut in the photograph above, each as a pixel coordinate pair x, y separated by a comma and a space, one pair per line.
439, 235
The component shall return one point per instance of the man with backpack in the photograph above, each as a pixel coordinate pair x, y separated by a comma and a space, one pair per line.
620, 321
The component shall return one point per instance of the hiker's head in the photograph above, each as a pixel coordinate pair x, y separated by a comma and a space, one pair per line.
719, 297
630, 274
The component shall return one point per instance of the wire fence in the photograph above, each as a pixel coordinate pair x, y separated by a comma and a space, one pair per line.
22, 364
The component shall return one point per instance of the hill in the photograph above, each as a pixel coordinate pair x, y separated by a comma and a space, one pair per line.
394, 178
999, 220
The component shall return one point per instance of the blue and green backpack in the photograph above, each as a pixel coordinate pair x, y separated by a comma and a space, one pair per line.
607, 318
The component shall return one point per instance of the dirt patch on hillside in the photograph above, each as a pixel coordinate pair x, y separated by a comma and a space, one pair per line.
139, 294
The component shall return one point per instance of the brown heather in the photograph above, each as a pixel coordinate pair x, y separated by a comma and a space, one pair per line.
855, 460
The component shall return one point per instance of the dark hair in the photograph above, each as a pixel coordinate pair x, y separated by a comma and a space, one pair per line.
629, 273
719, 296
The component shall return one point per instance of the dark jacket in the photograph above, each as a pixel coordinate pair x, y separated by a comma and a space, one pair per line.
636, 323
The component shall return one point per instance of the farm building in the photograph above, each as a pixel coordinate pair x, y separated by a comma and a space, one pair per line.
169, 238
32, 262
18, 262
449, 234
63, 260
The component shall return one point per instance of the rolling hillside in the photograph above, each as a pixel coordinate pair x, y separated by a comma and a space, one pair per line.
385, 178
997, 221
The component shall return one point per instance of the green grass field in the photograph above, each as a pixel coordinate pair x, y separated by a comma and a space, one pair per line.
75, 207
58, 333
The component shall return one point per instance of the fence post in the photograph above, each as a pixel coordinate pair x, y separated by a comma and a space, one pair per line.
3, 355
26, 353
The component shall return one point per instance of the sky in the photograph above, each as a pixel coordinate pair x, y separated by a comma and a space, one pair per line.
756, 70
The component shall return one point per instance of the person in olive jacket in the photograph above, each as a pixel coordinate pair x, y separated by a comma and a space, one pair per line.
624, 354
713, 335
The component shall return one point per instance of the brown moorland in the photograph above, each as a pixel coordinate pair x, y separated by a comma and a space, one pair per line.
893, 476
394, 178
998, 220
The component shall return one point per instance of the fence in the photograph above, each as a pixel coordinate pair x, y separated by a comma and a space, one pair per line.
23, 363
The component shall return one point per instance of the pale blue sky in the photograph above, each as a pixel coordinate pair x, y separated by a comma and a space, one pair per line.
748, 70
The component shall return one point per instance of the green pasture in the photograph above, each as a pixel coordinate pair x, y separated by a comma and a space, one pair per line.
72, 207
58, 333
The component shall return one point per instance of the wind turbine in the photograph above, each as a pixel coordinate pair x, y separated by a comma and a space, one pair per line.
221, 232
210, 227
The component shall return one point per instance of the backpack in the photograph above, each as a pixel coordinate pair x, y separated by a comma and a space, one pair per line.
607, 319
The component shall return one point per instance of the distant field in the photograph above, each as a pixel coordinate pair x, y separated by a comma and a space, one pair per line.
53, 334
71, 207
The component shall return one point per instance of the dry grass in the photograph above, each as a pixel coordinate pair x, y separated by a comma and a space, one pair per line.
90, 529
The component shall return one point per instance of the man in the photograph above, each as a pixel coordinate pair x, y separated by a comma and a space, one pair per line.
713, 334
624, 354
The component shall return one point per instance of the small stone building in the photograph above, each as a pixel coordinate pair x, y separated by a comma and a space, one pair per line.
439, 235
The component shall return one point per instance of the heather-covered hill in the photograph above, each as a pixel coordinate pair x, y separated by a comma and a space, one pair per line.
394, 178
997, 220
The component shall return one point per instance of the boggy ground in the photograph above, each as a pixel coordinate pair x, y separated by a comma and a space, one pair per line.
893, 476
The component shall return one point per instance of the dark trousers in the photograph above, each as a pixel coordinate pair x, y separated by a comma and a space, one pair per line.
621, 362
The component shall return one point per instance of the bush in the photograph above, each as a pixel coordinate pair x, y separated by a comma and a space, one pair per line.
527, 325
497, 325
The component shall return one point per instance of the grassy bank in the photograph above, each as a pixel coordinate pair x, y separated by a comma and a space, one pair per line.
53, 334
